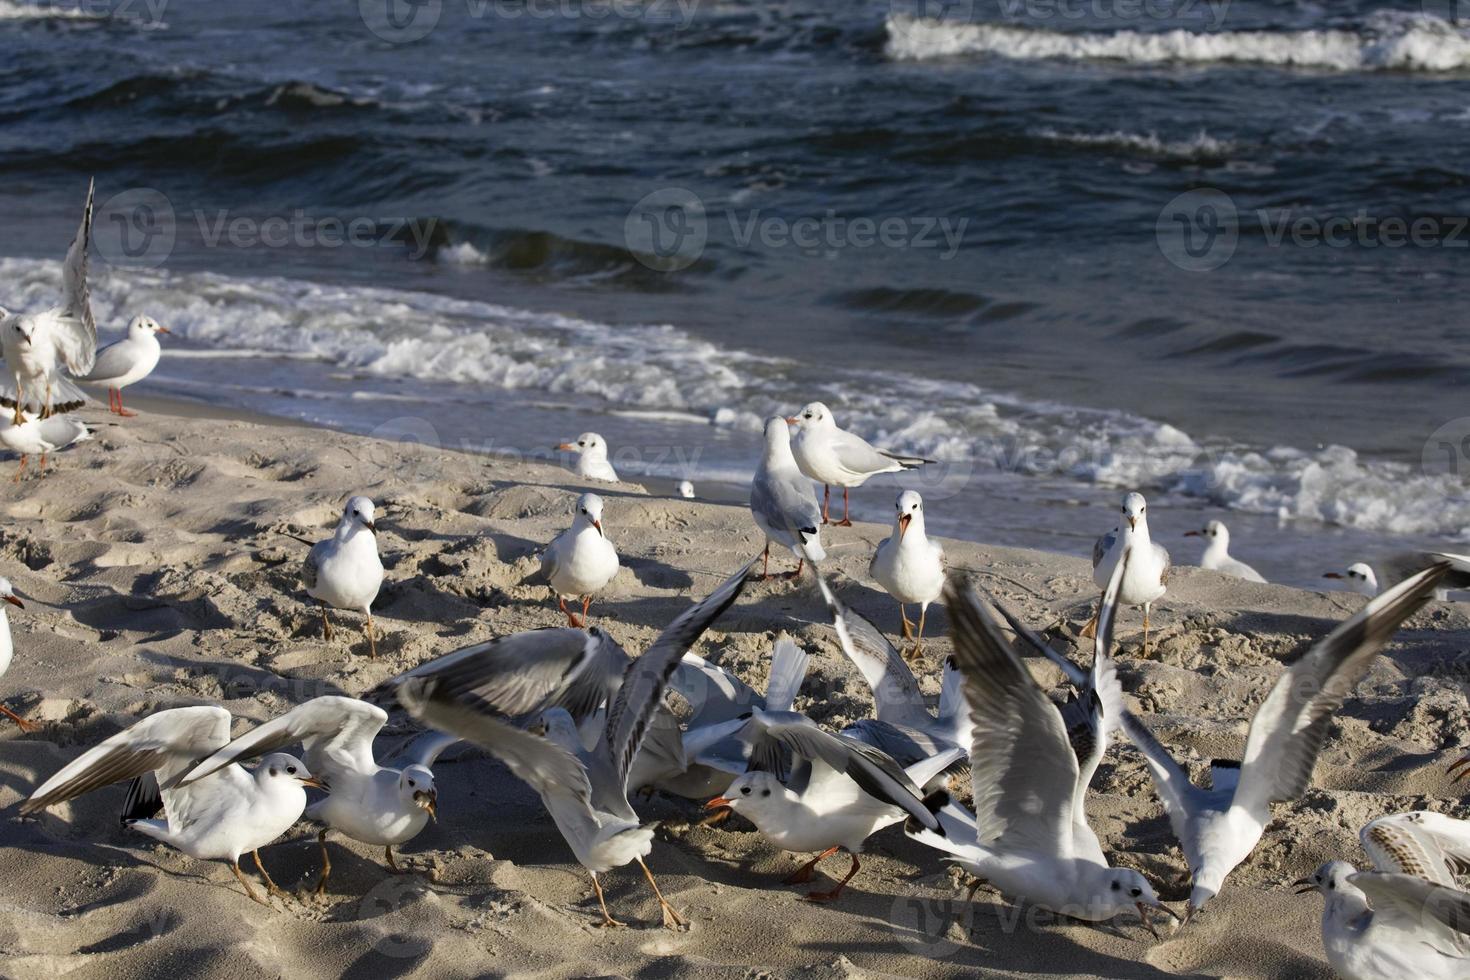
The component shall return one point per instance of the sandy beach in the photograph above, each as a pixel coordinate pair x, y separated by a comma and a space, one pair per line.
160, 567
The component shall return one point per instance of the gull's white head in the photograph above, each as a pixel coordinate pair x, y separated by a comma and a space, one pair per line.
1135, 511
587, 444
814, 416
146, 326
416, 788
1215, 533
1125, 890
589, 510
556, 725
757, 796
359, 512
685, 489
15, 329
281, 772
1331, 880
1359, 578
910, 508
7, 594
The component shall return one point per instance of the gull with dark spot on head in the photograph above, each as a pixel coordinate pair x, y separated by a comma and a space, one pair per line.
344, 571
592, 462
782, 502
1217, 553
835, 457
580, 562
1144, 582
36, 436
127, 361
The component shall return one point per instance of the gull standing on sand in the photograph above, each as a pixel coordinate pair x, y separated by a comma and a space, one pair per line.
36, 346
127, 361
36, 436
783, 503
1394, 569
368, 802
219, 818
7, 648
909, 566
1148, 566
836, 457
838, 793
477, 693
1408, 917
591, 450
580, 561
344, 571
1217, 553
1030, 767
1217, 828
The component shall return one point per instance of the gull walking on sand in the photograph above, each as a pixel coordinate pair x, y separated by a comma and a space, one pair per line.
909, 566
782, 501
1148, 565
344, 571
1217, 828
1408, 917
478, 693
36, 436
127, 361
219, 818
1031, 763
836, 457
592, 463
37, 346
580, 561
1217, 553
7, 648
369, 802
837, 793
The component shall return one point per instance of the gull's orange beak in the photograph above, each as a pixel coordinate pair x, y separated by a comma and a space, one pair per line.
598, 525
903, 524
564, 445
370, 526
163, 329
15, 602
1147, 922
792, 420
1192, 534
716, 803
1133, 524
1333, 575
313, 782
428, 801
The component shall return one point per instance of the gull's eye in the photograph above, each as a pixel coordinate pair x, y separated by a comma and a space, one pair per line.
1136, 892
411, 784
745, 791
291, 770
1331, 886
581, 443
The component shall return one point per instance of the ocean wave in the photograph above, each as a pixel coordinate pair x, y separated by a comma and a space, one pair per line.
1200, 146
45, 10
668, 376
1420, 43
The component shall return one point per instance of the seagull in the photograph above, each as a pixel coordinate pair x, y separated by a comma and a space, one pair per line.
368, 802
40, 436
230, 813
580, 561
552, 675
592, 464
1218, 828
1396, 568
344, 571
1359, 578
1406, 918
37, 346
782, 501
839, 792
127, 361
1148, 569
1031, 764
1217, 553
685, 489
7, 649
909, 566
836, 457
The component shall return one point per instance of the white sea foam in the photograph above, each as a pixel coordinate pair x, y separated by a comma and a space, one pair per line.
1399, 42
1197, 147
670, 377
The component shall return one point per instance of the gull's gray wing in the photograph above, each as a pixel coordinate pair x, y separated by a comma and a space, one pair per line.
166, 744
1401, 566
714, 694
426, 748
1291, 724
786, 502
75, 330
311, 566
1416, 906
336, 733
113, 361
1102, 546
647, 678
896, 694
904, 745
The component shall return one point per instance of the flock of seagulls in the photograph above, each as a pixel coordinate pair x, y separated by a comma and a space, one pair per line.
994, 777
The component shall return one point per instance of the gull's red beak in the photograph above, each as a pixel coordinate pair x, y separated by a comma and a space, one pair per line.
598, 525
1192, 534
314, 783
716, 803
1133, 524
903, 524
163, 329
792, 420
1333, 575
564, 445
15, 602
370, 526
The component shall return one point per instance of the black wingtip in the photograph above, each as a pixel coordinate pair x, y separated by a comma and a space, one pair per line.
934, 802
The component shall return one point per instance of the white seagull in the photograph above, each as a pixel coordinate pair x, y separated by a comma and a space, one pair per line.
230, 813
782, 501
909, 566
7, 648
685, 489
1031, 762
836, 457
591, 450
1148, 568
368, 802
344, 571
37, 346
580, 561
36, 436
1359, 578
1408, 917
477, 693
1218, 827
127, 361
838, 793
1217, 553
1393, 569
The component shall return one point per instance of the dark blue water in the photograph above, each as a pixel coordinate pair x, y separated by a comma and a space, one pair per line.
1211, 251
